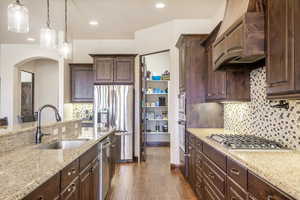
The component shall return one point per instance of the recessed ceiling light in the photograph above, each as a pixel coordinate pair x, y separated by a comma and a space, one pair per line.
30, 39
93, 23
160, 5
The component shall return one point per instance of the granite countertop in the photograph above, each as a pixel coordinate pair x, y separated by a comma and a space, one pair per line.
5, 130
23, 170
282, 169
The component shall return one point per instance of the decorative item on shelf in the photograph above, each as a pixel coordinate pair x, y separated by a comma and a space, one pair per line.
282, 104
156, 78
165, 115
166, 75
149, 90
162, 101
48, 36
165, 128
17, 18
148, 75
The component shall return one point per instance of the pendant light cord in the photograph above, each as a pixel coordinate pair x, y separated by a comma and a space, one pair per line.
48, 14
66, 20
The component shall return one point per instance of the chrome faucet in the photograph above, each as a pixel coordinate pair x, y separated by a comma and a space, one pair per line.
38, 133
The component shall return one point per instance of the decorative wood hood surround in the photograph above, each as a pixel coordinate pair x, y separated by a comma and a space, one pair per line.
241, 39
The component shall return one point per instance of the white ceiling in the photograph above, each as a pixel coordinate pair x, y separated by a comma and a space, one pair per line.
118, 19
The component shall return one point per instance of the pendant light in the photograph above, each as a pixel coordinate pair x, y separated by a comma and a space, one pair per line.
48, 37
66, 48
17, 18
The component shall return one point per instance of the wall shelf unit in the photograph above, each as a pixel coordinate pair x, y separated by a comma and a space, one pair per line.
155, 98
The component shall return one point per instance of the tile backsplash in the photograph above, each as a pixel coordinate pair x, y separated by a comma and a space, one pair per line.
259, 118
79, 110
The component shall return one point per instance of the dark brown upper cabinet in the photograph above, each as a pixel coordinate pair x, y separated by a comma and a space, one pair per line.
225, 85
192, 67
241, 38
114, 69
82, 82
283, 49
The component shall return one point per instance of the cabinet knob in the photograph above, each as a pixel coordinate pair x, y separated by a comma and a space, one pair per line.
41, 198
270, 197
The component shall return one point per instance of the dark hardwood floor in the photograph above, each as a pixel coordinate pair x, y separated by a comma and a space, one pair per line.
151, 180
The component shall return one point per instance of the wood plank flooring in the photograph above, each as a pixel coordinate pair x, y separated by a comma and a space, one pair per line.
151, 180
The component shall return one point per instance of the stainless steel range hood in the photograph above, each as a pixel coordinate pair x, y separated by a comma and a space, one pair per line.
241, 39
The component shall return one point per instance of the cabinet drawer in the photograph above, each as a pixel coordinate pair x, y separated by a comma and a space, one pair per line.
69, 173
72, 191
259, 189
209, 193
234, 191
47, 191
88, 157
237, 172
214, 155
214, 175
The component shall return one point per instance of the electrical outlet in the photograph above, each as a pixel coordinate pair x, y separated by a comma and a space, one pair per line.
76, 125
63, 129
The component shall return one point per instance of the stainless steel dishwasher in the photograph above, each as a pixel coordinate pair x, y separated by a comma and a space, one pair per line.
104, 155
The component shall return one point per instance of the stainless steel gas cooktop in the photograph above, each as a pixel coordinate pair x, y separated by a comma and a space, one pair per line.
246, 142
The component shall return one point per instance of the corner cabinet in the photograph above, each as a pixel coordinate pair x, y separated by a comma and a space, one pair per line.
114, 69
283, 49
82, 82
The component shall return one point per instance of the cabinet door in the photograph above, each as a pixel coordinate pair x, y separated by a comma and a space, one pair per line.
103, 70
82, 82
95, 180
71, 192
280, 56
85, 184
124, 70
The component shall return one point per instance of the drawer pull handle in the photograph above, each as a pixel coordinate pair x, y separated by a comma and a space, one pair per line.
233, 198
211, 175
72, 188
235, 171
72, 171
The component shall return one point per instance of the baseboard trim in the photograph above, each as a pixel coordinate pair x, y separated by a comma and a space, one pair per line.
174, 166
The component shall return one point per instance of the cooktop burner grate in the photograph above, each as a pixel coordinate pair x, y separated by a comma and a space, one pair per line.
246, 142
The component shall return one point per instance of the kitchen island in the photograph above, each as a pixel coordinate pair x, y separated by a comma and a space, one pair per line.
25, 169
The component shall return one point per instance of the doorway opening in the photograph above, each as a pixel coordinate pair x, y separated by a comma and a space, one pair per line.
155, 83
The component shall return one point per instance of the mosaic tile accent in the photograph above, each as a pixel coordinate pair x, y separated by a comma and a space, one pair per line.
79, 110
259, 118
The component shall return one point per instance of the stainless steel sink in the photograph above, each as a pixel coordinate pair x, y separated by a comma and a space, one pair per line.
64, 144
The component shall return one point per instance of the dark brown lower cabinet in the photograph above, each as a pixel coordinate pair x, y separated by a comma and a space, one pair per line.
48, 191
215, 176
71, 192
85, 184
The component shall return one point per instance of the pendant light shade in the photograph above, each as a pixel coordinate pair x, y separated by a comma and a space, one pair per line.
66, 48
48, 36
18, 18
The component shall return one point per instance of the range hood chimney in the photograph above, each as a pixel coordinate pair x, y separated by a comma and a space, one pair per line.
241, 39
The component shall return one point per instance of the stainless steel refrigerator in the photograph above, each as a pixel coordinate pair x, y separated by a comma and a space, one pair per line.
113, 108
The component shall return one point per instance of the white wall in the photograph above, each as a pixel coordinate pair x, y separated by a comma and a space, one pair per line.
46, 86
82, 48
16, 54
158, 63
